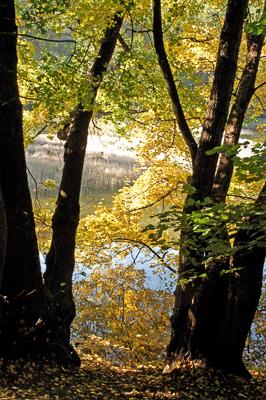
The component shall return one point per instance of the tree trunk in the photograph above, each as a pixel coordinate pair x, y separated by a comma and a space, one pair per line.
246, 89
211, 317
215, 294
60, 260
217, 112
28, 323
22, 258
209, 290
21, 278
243, 293
3, 237
200, 306
211, 300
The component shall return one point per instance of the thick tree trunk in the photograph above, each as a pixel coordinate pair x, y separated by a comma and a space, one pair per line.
28, 323
209, 290
3, 240
200, 306
214, 295
22, 252
217, 112
3, 237
60, 260
22, 275
244, 292
210, 301
199, 312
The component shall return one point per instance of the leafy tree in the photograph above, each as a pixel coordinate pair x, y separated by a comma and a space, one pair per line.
116, 311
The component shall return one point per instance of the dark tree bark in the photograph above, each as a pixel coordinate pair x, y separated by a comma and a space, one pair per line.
223, 288
3, 240
189, 321
222, 87
213, 296
246, 89
3, 237
60, 260
243, 292
21, 274
22, 252
28, 322
204, 307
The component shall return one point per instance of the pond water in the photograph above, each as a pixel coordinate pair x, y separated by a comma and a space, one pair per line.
156, 278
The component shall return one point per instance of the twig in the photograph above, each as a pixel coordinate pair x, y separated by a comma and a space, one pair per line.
155, 201
36, 186
259, 86
40, 131
150, 249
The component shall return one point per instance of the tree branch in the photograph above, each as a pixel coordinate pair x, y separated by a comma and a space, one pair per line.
259, 86
150, 249
169, 79
153, 203
193, 39
38, 38
124, 43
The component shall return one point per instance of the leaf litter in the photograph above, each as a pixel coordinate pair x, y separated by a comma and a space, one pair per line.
98, 379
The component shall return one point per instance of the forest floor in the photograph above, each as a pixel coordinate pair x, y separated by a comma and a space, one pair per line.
99, 379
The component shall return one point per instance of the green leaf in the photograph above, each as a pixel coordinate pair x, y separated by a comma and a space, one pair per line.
189, 188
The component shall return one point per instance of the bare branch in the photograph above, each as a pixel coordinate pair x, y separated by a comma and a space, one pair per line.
150, 249
259, 86
155, 201
40, 131
260, 101
193, 39
38, 37
46, 39
124, 43
35, 184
